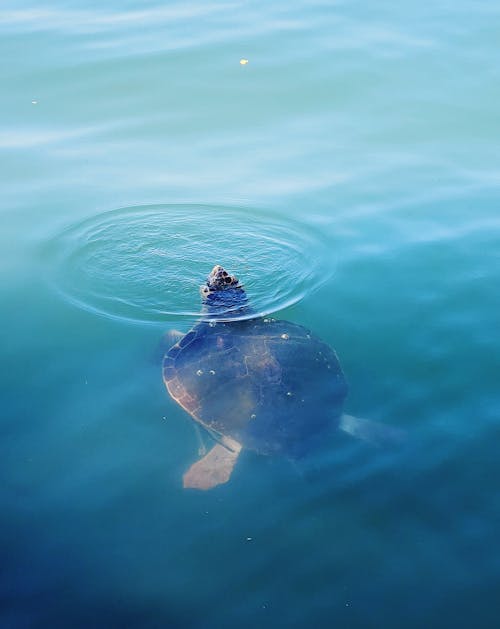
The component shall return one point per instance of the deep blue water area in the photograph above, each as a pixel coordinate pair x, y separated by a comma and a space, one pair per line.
349, 174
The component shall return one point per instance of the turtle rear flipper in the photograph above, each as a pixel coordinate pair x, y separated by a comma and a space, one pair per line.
214, 468
372, 432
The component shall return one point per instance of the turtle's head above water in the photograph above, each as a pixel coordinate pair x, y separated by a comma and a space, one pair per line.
219, 279
222, 293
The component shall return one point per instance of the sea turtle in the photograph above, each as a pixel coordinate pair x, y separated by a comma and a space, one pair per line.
254, 382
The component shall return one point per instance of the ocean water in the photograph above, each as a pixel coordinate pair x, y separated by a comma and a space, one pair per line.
350, 174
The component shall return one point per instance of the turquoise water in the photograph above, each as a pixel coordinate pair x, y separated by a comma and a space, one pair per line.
350, 174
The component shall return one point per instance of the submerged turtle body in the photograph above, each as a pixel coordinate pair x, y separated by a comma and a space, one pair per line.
252, 382
258, 383
269, 385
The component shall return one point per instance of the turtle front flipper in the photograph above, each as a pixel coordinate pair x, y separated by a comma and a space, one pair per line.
165, 343
214, 468
171, 337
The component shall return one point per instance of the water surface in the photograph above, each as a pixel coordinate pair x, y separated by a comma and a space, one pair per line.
350, 174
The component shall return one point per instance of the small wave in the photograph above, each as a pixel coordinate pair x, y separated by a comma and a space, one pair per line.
146, 263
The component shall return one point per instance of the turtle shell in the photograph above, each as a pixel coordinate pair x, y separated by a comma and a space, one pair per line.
271, 385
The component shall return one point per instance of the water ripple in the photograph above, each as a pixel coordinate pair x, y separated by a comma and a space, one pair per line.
146, 263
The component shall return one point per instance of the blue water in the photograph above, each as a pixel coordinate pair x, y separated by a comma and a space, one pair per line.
350, 174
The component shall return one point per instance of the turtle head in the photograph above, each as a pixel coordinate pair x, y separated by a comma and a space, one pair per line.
219, 279
222, 292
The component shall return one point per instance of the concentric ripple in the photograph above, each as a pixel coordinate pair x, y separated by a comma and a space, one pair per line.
146, 263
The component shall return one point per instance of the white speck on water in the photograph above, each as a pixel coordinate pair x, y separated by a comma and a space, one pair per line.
289, 393
243, 62
253, 416
199, 372
34, 102
212, 324
249, 539
212, 372
285, 336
